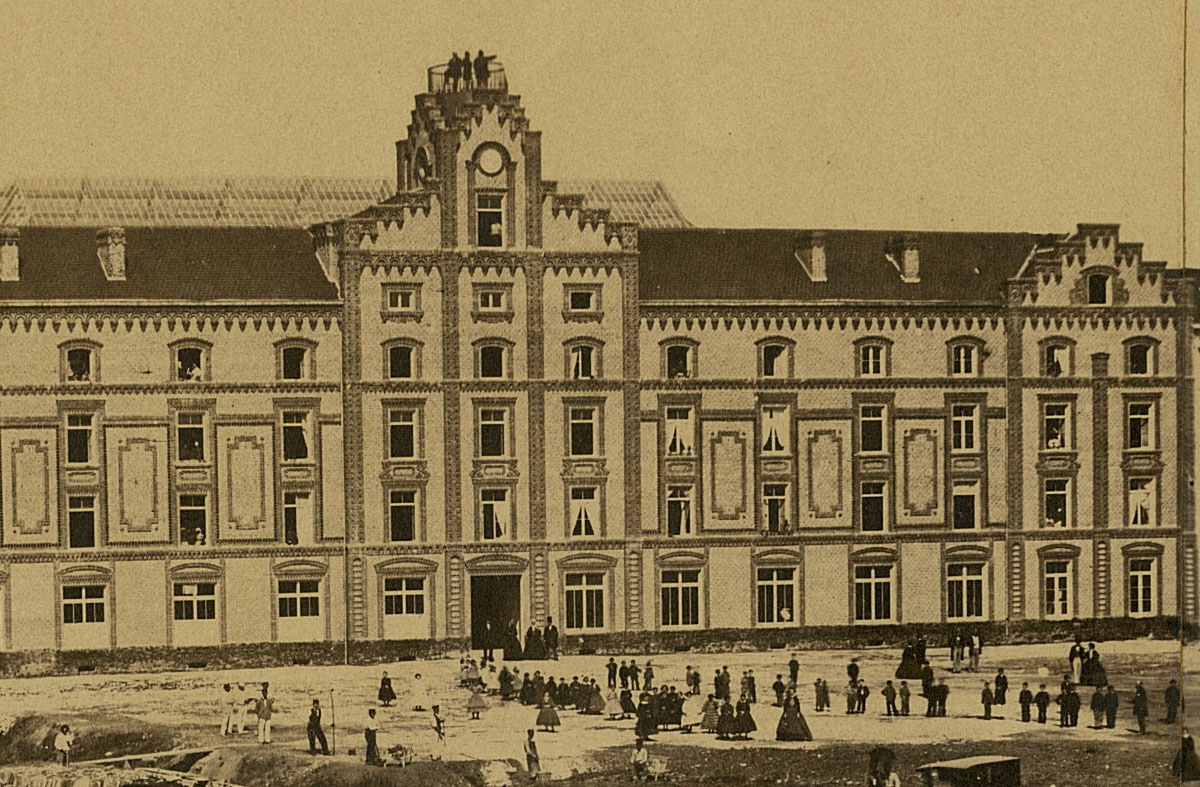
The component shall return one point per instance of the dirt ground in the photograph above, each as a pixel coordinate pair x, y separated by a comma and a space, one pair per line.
593, 750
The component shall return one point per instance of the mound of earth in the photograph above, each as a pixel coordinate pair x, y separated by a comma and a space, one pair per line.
288, 768
97, 735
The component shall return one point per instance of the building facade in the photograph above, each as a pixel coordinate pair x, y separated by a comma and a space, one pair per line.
322, 412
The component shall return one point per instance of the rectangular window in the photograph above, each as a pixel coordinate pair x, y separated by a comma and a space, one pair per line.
583, 428
679, 361
401, 300
402, 434
402, 514
775, 507
681, 598
1057, 501
1056, 426
1142, 588
193, 520
1139, 359
493, 432
964, 591
584, 600
774, 360
585, 511
1142, 508
295, 436
400, 362
872, 593
495, 509
195, 601
79, 438
679, 511
299, 598
582, 300
189, 431
83, 603
680, 431
1056, 359
872, 502
404, 596
965, 504
582, 362
1141, 425
297, 518
962, 360
870, 428
964, 426
1056, 589
1098, 288
81, 522
491, 360
293, 362
79, 365
776, 435
189, 363
870, 360
489, 211
776, 590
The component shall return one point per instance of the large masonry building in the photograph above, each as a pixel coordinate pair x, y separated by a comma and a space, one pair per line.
320, 411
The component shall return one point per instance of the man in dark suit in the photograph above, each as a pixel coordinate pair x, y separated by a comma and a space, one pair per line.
551, 637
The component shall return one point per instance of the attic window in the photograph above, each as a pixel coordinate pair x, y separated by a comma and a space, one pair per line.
1099, 289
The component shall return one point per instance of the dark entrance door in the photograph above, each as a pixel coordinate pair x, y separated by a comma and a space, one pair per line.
496, 598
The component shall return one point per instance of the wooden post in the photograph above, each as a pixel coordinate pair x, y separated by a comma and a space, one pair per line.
332, 724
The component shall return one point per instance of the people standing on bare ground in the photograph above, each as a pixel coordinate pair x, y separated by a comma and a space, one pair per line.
1025, 699
1001, 687
1098, 709
1186, 765
64, 742
264, 709
315, 732
547, 717
1171, 701
792, 726
905, 698
1141, 706
439, 734
386, 694
228, 702
743, 721
532, 762
987, 698
1042, 700
371, 734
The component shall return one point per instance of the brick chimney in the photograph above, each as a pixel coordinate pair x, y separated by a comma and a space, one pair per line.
10, 263
810, 253
110, 248
910, 266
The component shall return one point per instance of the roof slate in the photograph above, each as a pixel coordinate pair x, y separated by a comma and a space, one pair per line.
761, 265
180, 264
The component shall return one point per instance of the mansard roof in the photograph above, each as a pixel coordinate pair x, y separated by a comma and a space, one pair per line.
177, 264
762, 265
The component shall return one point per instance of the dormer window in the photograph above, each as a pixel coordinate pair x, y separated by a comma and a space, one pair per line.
679, 359
489, 212
1099, 289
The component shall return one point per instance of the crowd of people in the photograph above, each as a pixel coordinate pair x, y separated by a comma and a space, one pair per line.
463, 71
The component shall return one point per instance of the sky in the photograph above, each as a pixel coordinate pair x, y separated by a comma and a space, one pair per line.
990, 116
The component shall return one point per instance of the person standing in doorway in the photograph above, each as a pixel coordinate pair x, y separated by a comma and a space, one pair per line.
315, 733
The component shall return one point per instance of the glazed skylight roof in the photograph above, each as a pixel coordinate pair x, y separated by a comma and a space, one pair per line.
264, 202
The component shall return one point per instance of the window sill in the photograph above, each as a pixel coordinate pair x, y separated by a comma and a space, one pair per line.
479, 316
582, 316
397, 316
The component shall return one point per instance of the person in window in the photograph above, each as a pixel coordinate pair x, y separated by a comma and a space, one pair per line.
1054, 436
1053, 367
78, 371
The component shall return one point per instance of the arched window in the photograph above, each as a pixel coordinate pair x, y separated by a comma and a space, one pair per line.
583, 358
964, 356
79, 361
679, 358
873, 357
1141, 356
775, 358
1057, 356
191, 360
493, 358
296, 359
402, 359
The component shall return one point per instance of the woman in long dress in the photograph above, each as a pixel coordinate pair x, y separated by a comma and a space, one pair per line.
596, 703
710, 714
613, 705
477, 704
386, 694
744, 721
420, 693
646, 726
547, 717
726, 722
512, 644
792, 726
627, 706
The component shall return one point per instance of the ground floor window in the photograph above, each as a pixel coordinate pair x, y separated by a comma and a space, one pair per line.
873, 593
1142, 587
83, 604
404, 596
776, 595
681, 598
964, 591
584, 600
1057, 595
195, 601
299, 598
